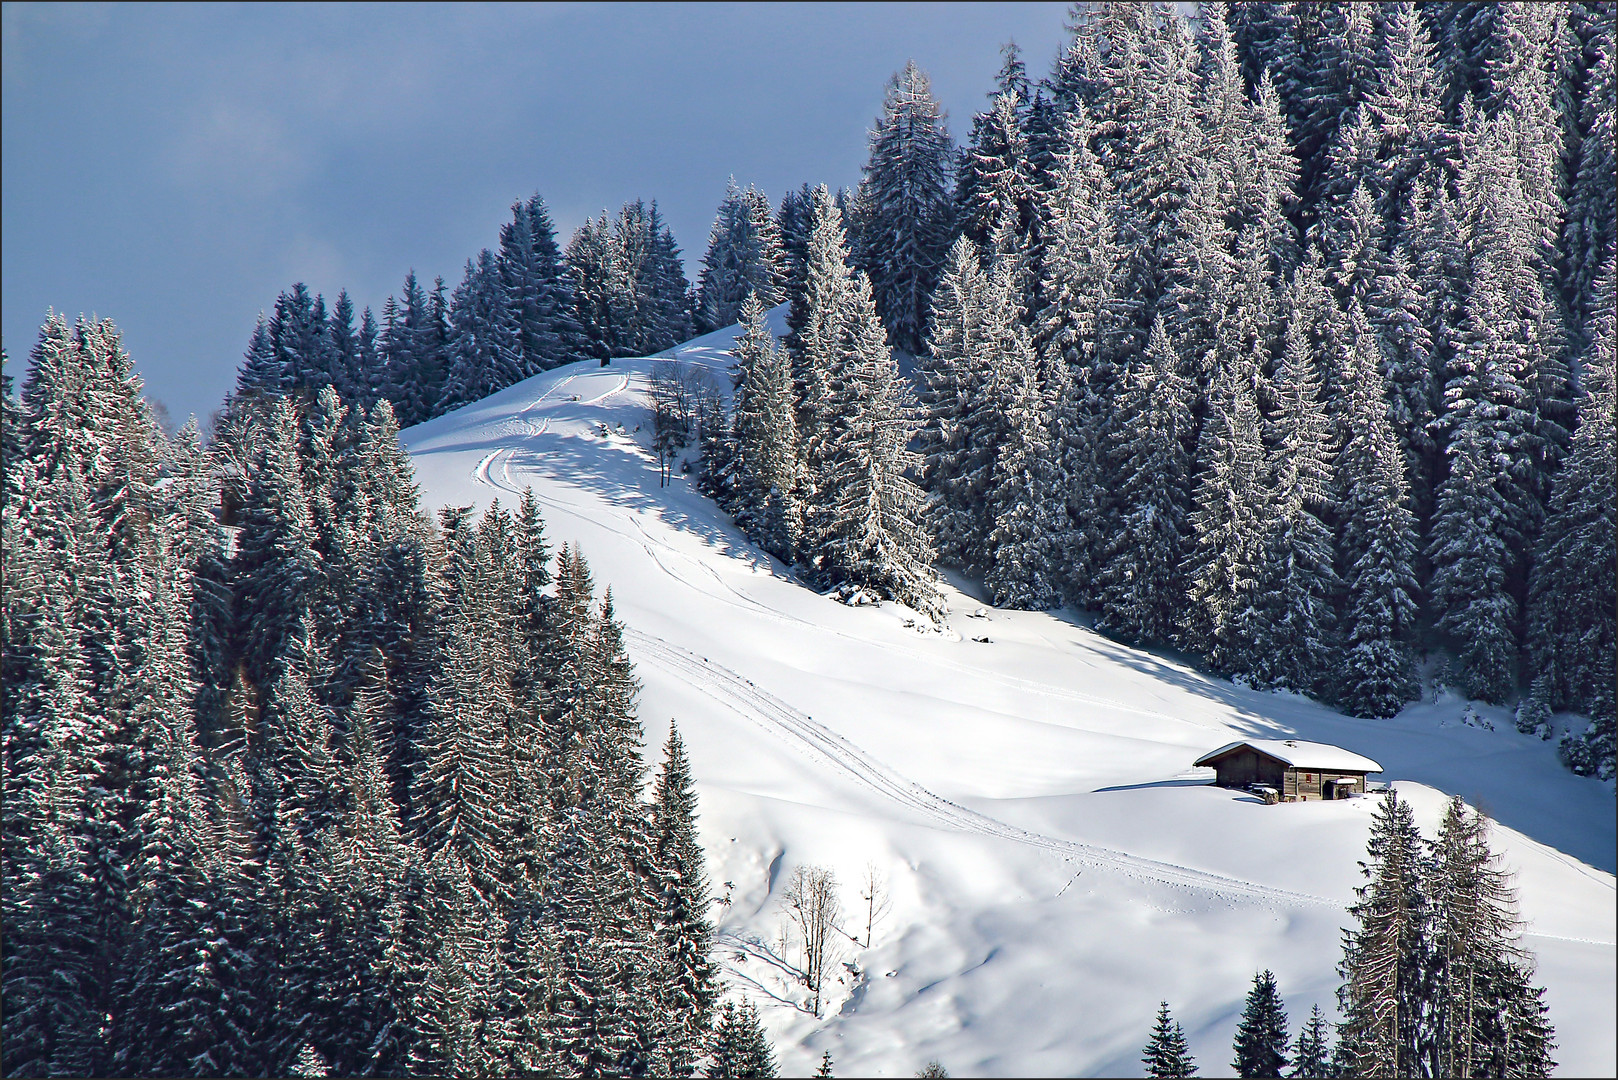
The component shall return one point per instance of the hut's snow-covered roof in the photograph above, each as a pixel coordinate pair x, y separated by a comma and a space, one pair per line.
1300, 755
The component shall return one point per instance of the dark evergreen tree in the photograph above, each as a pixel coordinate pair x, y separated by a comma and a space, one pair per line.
1167, 1053
1385, 961
1588, 229
956, 457
765, 433
740, 1047
603, 290
1261, 1038
1571, 603
1026, 499
1225, 552
1297, 578
871, 537
795, 218
1375, 543
1311, 1054
485, 343
907, 182
1486, 1018
687, 976
1141, 587
539, 289
744, 256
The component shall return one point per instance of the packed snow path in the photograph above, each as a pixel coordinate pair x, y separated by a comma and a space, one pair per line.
1056, 866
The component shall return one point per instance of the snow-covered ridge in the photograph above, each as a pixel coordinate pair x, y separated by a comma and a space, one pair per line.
1056, 863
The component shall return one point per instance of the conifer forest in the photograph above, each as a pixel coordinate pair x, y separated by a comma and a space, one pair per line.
1275, 338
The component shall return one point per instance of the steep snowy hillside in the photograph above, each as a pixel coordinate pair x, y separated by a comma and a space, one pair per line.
1023, 785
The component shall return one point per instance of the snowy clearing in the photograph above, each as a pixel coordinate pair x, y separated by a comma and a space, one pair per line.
1056, 865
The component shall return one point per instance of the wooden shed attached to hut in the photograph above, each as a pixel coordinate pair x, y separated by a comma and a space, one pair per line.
1296, 770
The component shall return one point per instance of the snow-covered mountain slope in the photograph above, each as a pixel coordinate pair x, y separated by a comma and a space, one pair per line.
1056, 865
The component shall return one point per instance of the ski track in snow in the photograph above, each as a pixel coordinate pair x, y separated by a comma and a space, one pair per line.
771, 713
740, 600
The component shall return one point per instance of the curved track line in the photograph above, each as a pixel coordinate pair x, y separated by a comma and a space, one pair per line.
747, 603
774, 715
752, 606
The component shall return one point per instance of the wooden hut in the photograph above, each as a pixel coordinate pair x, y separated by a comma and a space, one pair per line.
1296, 770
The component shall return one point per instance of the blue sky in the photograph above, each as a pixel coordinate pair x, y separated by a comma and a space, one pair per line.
174, 167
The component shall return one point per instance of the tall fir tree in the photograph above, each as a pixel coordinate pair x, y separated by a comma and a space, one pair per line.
688, 978
744, 256
1572, 608
1376, 542
1261, 1037
1311, 1054
1385, 960
540, 292
740, 1047
485, 343
907, 181
1140, 584
872, 537
1298, 579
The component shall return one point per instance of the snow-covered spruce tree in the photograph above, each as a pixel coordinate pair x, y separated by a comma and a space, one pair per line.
347, 374
744, 256
820, 356
414, 354
291, 349
740, 1048
1199, 262
1311, 1054
1329, 69
872, 538
1261, 1037
1489, 506
1571, 602
687, 978
1150, 149
462, 793
1167, 1053
1487, 1020
907, 182
603, 290
1074, 332
795, 218
1079, 211
631, 292
276, 567
1140, 585
371, 376
485, 344
53, 1021
994, 183
1590, 226
1297, 576
1026, 496
539, 289
1375, 543
1386, 962
765, 433
1261, 30
955, 371
663, 294
1404, 108
1225, 550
